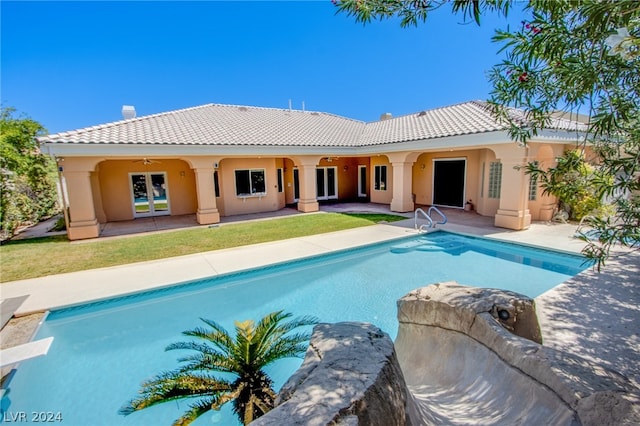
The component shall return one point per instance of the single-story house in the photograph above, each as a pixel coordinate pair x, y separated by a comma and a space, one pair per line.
221, 160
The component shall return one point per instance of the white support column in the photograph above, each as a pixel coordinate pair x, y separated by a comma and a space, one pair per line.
205, 190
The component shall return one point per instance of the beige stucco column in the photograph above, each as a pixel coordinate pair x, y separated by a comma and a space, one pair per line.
402, 184
205, 192
513, 212
82, 215
203, 168
546, 154
308, 201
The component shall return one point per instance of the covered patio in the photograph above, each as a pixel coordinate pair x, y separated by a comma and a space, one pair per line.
455, 217
217, 161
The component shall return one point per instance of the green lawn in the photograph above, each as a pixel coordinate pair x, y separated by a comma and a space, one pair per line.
55, 255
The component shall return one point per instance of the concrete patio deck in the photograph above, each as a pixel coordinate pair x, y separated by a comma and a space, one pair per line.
593, 315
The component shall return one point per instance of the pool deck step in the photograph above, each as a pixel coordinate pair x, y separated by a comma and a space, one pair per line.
24, 352
439, 244
408, 246
8, 307
441, 247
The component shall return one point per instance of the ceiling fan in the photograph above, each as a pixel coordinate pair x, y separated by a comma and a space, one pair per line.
147, 161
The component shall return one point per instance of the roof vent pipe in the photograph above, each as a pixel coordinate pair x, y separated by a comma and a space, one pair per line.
128, 112
385, 116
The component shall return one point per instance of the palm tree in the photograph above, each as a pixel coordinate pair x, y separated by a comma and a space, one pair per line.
255, 346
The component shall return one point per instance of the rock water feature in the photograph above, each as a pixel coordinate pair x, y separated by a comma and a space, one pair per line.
463, 355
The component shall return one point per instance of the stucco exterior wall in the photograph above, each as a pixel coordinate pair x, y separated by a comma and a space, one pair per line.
234, 204
543, 206
483, 204
115, 189
376, 195
423, 174
289, 196
97, 198
423, 179
347, 174
108, 183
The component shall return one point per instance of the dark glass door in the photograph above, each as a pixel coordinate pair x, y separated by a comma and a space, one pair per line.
448, 183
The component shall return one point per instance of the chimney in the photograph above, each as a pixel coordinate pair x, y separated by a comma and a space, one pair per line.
128, 111
385, 116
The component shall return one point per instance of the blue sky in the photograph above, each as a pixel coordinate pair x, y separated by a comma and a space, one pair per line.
70, 65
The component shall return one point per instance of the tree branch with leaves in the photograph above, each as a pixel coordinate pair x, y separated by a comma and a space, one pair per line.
572, 57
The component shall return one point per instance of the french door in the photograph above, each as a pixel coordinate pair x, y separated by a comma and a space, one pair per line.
326, 183
149, 194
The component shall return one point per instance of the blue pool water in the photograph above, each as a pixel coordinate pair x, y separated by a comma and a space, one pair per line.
102, 352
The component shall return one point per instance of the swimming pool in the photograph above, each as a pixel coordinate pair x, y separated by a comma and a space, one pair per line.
103, 351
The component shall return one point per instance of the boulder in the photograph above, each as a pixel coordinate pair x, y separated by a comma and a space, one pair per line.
350, 376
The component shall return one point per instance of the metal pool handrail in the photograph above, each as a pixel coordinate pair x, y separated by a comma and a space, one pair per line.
427, 216
437, 210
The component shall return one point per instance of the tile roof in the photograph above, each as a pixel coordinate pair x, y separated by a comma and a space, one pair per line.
215, 124
461, 119
233, 125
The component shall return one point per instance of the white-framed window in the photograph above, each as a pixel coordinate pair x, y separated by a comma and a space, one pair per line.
280, 181
380, 178
362, 181
533, 185
495, 179
250, 182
